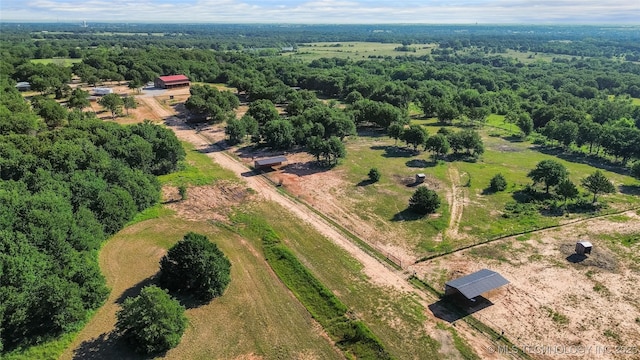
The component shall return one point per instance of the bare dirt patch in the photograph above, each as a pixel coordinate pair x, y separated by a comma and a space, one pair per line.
552, 299
206, 202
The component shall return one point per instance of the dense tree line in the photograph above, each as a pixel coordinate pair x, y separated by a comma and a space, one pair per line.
69, 40
62, 192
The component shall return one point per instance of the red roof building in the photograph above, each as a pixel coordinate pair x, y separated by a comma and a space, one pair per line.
171, 81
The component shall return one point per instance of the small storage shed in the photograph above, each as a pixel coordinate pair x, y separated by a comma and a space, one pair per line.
583, 247
269, 162
420, 178
23, 86
101, 91
474, 285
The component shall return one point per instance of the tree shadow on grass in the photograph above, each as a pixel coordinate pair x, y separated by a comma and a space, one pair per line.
365, 182
580, 158
108, 346
303, 169
137, 288
395, 152
513, 138
630, 189
488, 191
420, 163
407, 215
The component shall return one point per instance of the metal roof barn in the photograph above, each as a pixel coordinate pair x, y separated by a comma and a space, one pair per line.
270, 161
476, 284
171, 81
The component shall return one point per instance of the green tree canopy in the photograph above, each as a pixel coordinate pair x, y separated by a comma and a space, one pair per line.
195, 265
415, 135
597, 183
424, 201
549, 172
374, 175
113, 103
438, 144
152, 322
567, 189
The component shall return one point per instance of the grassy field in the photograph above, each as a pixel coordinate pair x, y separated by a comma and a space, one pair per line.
397, 319
355, 50
58, 61
257, 315
350, 335
197, 170
382, 204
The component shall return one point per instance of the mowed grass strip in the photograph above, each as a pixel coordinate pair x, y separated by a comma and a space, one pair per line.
351, 336
396, 318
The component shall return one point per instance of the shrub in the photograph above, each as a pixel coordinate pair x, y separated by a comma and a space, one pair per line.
195, 265
182, 190
498, 183
153, 322
374, 175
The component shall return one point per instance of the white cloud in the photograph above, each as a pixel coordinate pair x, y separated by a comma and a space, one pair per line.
325, 11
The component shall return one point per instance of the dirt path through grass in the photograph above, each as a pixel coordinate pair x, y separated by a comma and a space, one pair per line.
456, 197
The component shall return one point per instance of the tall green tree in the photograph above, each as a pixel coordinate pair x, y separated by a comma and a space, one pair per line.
195, 266
129, 102
415, 135
567, 189
438, 144
79, 99
395, 131
597, 183
235, 130
263, 111
113, 103
424, 201
152, 322
549, 172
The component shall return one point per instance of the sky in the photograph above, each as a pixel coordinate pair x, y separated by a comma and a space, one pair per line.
326, 11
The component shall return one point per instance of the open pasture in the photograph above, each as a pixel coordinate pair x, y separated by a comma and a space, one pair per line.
356, 50
469, 213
